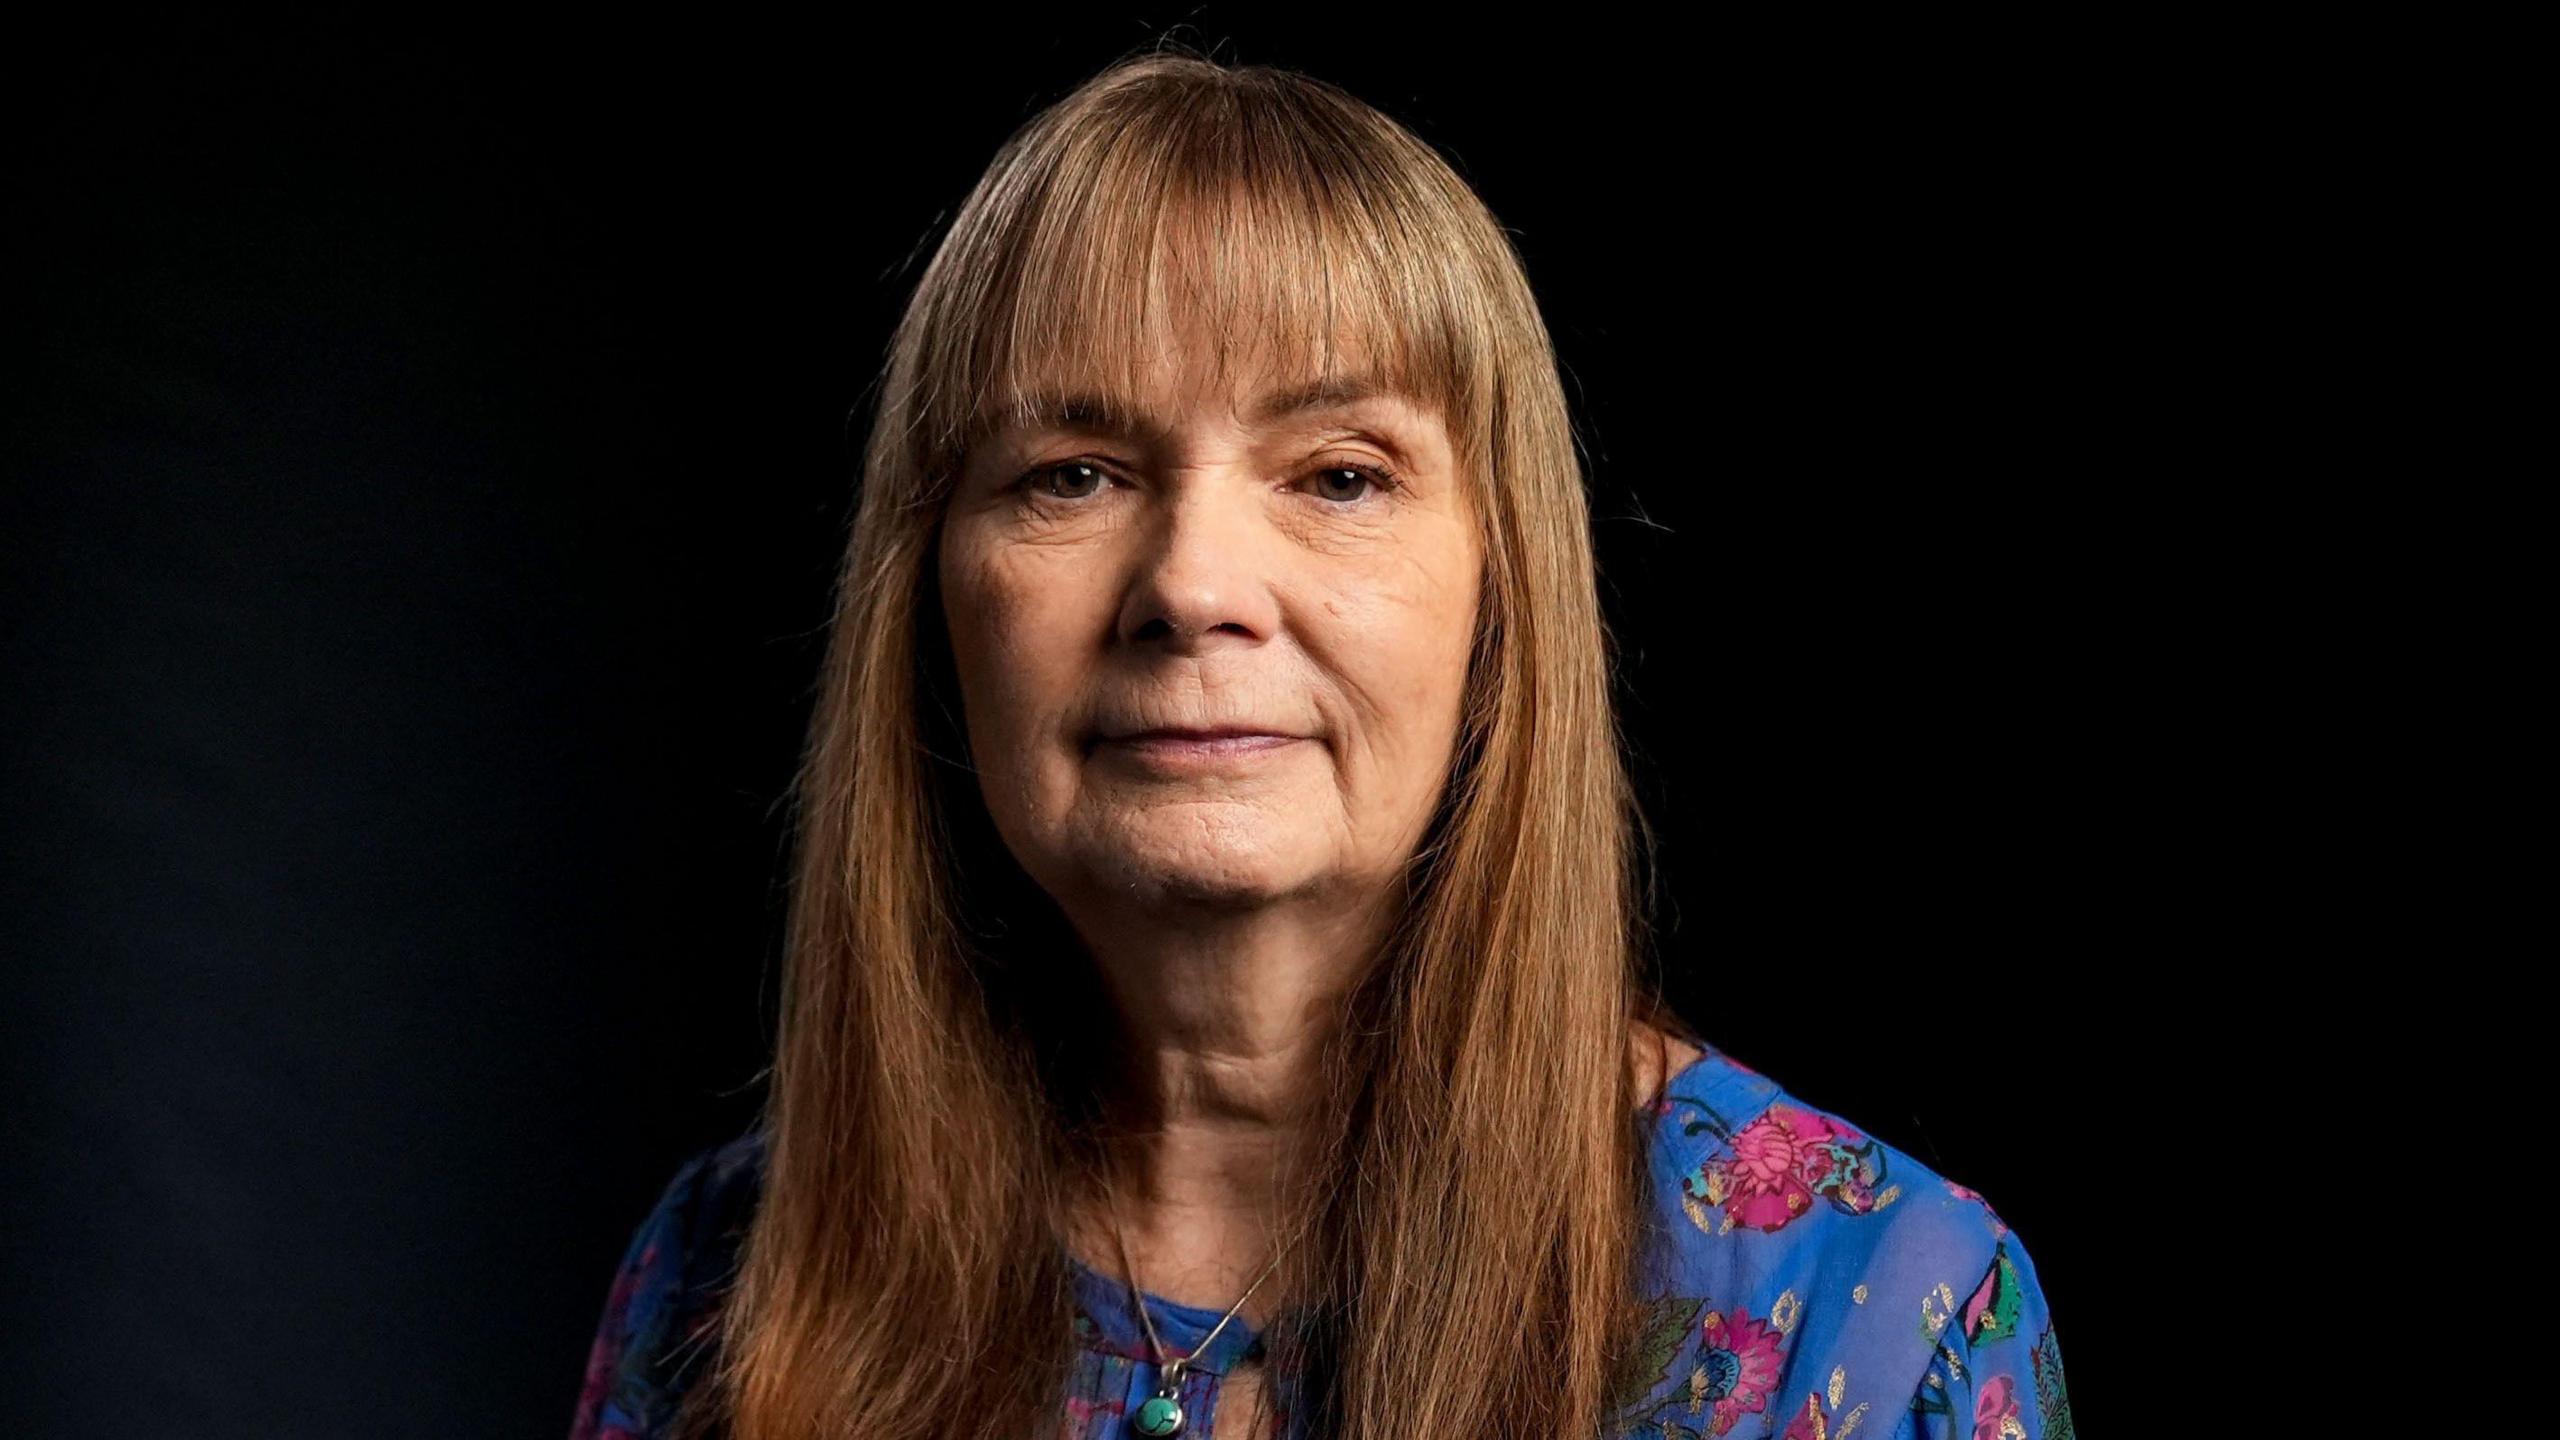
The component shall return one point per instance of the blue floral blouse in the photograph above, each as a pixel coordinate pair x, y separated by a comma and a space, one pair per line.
1814, 1284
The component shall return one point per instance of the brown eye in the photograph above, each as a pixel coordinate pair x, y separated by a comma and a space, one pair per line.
1037, 480
1354, 476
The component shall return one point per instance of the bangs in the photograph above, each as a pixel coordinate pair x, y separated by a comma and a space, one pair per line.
1234, 229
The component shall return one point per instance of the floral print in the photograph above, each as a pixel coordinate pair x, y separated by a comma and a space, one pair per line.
660, 1313
1775, 1168
1986, 1381
1737, 1368
605, 1354
1813, 1283
1872, 1296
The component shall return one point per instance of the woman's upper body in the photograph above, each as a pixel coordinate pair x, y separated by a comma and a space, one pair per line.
1811, 1281
1213, 841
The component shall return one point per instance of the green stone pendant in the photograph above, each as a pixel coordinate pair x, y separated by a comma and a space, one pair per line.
1160, 1415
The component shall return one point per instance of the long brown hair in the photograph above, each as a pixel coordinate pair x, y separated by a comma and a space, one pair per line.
1469, 1233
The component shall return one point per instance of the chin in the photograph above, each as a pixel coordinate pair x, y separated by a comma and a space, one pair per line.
1141, 873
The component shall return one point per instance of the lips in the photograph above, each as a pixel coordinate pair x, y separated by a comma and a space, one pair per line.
1222, 732
1186, 753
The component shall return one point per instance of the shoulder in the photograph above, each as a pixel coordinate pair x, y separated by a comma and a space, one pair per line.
691, 1230
650, 1342
1804, 1261
714, 1194
1749, 1157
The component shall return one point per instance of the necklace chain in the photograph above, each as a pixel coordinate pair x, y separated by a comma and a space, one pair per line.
1172, 1370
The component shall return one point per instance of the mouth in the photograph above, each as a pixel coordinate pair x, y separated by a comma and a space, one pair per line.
1186, 733
1180, 749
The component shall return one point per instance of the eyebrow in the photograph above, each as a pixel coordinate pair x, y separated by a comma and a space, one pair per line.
1094, 411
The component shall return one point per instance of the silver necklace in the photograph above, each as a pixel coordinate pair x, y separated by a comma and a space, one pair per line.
1162, 1414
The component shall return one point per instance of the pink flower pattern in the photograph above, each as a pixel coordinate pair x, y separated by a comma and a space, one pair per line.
1780, 1163
1995, 1410
1738, 1363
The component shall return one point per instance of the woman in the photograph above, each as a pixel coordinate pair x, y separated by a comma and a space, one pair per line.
1214, 1002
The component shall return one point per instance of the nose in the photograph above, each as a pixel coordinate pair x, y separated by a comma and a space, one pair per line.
1200, 579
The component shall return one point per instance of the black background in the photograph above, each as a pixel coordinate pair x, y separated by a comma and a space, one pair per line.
427, 456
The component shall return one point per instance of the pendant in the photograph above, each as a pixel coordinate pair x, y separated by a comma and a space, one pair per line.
1161, 1414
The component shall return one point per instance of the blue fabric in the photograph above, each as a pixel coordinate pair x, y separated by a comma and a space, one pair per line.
1812, 1283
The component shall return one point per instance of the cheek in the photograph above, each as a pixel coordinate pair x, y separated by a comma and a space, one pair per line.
1013, 626
1400, 638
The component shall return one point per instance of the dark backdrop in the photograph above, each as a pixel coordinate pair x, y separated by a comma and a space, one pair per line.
428, 451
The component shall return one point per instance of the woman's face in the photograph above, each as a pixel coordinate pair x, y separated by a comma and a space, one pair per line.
1212, 563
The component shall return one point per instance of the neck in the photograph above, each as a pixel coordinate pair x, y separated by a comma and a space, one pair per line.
1222, 1029
1216, 1064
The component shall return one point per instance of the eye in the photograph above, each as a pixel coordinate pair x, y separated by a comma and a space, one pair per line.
1377, 476
1036, 480
1082, 478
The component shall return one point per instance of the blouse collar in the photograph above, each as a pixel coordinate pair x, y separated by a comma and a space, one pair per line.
1107, 1321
